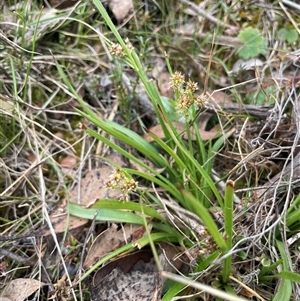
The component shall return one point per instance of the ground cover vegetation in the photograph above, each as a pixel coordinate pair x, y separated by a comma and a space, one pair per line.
149, 150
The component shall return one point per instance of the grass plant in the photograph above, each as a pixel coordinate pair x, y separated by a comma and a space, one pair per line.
237, 227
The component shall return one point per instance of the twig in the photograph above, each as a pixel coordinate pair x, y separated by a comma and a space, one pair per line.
291, 4
205, 15
218, 40
16, 257
260, 112
291, 172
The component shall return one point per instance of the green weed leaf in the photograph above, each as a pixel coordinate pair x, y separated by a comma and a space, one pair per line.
288, 35
254, 43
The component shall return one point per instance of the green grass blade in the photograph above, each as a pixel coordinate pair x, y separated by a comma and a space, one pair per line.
116, 204
104, 214
207, 219
170, 151
173, 291
288, 275
228, 215
156, 158
161, 181
202, 287
284, 289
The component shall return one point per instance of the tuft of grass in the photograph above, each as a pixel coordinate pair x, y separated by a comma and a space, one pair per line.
186, 181
228, 231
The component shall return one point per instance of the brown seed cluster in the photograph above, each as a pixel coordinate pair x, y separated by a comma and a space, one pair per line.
117, 49
186, 93
208, 245
122, 181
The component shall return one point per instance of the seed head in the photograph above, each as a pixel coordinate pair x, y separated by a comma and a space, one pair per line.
191, 87
177, 79
184, 102
201, 100
117, 50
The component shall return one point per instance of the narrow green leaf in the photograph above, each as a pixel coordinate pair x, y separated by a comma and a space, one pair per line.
172, 153
161, 181
228, 216
173, 291
152, 155
191, 161
202, 287
289, 276
284, 289
123, 134
208, 221
207, 261
267, 270
228, 212
109, 215
116, 204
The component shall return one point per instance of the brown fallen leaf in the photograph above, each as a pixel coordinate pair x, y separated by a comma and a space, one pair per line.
159, 66
162, 77
21, 288
120, 8
180, 127
101, 246
219, 97
87, 192
62, 222
111, 239
92, 187
164, 85
68, 162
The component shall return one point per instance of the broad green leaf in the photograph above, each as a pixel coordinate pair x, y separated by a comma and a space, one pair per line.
288, 35
254, 43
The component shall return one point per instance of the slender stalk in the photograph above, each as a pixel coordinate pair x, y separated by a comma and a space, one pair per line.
228, 214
